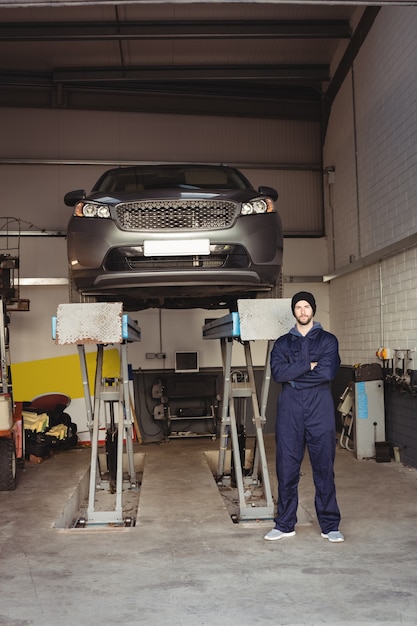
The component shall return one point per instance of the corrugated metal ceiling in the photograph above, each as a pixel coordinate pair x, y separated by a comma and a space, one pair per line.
240, 58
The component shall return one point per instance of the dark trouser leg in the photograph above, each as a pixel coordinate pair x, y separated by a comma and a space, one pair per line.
290, 453
321, 446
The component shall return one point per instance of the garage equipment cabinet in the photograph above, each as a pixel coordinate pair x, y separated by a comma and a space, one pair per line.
369, 412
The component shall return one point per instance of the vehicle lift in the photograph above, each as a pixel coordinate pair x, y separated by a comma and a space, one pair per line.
103, 324
264, 319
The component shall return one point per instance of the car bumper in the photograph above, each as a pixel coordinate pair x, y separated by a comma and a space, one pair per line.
89, 249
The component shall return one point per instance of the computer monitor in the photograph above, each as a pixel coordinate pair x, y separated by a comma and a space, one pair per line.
186, 362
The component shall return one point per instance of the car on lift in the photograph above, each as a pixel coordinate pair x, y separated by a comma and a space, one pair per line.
174, 236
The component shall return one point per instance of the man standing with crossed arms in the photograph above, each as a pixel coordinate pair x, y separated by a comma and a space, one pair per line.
305, 361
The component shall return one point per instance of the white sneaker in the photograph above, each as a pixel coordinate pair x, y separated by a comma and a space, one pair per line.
335, 536
275, 534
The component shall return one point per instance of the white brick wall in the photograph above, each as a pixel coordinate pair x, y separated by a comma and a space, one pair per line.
399, 299
376, 305
384, 193
386, 114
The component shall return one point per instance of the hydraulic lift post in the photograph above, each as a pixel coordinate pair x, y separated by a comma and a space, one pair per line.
103, 324
264, 319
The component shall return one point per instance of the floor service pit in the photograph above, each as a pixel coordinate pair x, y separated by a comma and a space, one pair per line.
74, 515
254, 494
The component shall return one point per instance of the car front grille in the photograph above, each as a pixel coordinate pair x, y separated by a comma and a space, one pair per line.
117, 261
177, 263
175, 215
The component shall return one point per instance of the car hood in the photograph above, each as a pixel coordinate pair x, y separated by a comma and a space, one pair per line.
234, 195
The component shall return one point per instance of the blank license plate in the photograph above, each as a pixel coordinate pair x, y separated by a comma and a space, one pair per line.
175, 247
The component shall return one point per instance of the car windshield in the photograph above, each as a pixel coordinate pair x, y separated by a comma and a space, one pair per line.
169, 177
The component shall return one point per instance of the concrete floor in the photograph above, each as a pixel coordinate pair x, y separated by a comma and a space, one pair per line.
186, 564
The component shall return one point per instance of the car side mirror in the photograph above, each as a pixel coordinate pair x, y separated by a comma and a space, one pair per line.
269, 191
72, 197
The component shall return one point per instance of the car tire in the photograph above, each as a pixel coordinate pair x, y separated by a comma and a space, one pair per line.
7, 464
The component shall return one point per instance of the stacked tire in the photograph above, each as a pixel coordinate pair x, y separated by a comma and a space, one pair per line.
7, 464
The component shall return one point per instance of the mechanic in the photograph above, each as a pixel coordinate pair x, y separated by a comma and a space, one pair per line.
304, 361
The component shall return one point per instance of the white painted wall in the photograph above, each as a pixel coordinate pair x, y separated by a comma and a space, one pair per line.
121, 136
44, 154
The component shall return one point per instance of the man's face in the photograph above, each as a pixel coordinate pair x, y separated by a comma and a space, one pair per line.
303, 312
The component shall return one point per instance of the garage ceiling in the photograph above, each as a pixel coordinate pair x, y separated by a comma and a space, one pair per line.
235, 59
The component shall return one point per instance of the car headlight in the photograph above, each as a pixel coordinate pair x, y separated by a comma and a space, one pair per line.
257, 205
90, 209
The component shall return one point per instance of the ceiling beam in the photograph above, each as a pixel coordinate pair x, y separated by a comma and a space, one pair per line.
293, 74
252, 91
165, 29
174, 101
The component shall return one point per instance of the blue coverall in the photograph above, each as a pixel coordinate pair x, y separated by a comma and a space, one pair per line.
305, 416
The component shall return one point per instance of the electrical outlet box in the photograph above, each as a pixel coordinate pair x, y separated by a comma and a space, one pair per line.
150, 355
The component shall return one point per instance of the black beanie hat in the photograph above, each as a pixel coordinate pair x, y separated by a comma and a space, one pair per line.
303, 295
